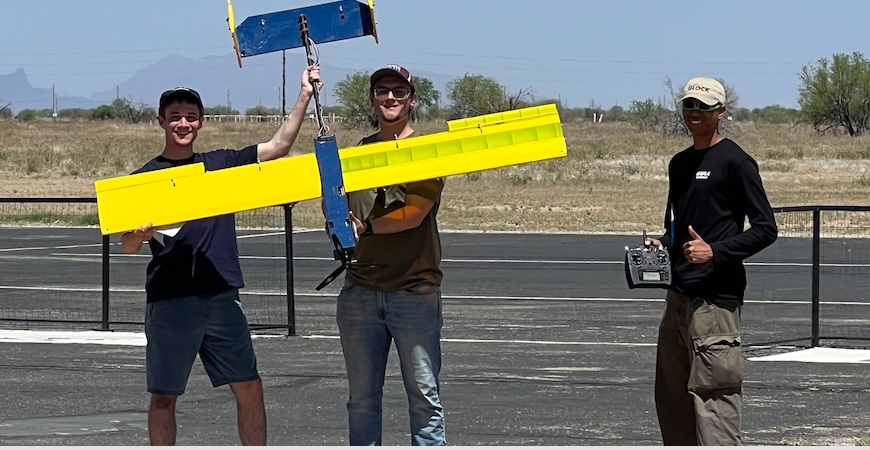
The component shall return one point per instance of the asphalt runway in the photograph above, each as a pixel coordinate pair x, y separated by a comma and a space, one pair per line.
543, 344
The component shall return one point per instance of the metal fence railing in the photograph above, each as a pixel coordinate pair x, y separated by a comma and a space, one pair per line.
60, 277
818, 288
812, 285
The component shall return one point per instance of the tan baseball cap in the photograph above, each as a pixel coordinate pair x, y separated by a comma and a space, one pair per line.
704, 89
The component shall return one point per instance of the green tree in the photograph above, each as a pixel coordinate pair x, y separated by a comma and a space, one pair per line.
27, 115
475, 95
128, 111
775, 114
836, 93
646, 115
352, 94
261, 110
6, 111
742, 114
577, 113
73, 113
102, 112
616, 113
220, 110
428, 100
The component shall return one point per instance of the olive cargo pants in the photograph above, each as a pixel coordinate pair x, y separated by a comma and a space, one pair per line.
699, 372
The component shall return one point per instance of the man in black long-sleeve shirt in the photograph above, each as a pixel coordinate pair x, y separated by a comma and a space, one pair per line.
714, 187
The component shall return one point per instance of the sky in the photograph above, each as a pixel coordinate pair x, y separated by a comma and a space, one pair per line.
607, 52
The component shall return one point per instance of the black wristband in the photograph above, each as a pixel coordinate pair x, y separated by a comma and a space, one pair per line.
368, 229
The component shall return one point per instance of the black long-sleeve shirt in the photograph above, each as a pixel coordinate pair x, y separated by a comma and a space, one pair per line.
714, 190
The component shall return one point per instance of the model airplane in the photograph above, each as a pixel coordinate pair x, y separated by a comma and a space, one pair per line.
306, 27
190, 192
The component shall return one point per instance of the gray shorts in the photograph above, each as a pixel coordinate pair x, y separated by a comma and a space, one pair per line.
212, 326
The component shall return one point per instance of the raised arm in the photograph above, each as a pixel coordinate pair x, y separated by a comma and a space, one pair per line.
280, 144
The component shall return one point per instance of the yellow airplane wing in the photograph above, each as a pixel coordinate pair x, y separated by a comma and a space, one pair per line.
180, 194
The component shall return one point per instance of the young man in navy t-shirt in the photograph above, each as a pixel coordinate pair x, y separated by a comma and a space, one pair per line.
193, 281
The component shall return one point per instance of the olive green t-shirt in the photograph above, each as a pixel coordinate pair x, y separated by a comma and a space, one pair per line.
396, 261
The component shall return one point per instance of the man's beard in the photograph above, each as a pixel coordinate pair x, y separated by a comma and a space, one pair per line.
398, 118
405, 115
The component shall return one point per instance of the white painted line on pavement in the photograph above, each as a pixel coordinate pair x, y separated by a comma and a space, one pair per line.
444, 260
137, 339
820, 355
122, 338
58, 247
518, 341
73, 337
446, 297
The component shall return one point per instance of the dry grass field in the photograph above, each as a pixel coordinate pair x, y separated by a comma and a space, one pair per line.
613, 179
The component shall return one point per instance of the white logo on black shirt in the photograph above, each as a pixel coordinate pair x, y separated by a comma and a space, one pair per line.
702, 174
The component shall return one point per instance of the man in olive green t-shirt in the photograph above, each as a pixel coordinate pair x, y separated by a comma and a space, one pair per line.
392, 291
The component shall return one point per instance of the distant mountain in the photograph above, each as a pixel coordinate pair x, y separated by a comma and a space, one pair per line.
16, 89
217, 78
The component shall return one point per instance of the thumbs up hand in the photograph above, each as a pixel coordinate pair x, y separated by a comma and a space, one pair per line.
697, 251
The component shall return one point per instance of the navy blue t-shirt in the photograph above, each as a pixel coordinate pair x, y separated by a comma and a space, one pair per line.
204, 256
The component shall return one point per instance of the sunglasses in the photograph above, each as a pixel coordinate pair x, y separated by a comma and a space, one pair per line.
399, 93
693, 104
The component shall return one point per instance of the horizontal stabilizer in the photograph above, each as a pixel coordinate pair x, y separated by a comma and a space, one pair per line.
328, 22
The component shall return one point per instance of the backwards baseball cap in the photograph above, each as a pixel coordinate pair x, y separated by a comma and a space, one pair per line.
394, 70
704, 89
179, 93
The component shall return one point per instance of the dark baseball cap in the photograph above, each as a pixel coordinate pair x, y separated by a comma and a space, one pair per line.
179, 93
393, 70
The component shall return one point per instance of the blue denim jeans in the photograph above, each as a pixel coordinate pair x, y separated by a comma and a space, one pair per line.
368, 321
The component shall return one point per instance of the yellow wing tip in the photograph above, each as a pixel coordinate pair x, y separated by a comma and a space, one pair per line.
374, 21
231, 22
529, 112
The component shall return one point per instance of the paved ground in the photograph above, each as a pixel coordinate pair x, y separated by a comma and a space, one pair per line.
543, 345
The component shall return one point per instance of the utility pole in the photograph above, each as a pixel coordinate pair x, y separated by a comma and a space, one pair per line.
283, 83
229, 104
53, 103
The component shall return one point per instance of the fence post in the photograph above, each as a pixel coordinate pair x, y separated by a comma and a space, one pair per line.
817, 226
288, 256
105, 322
